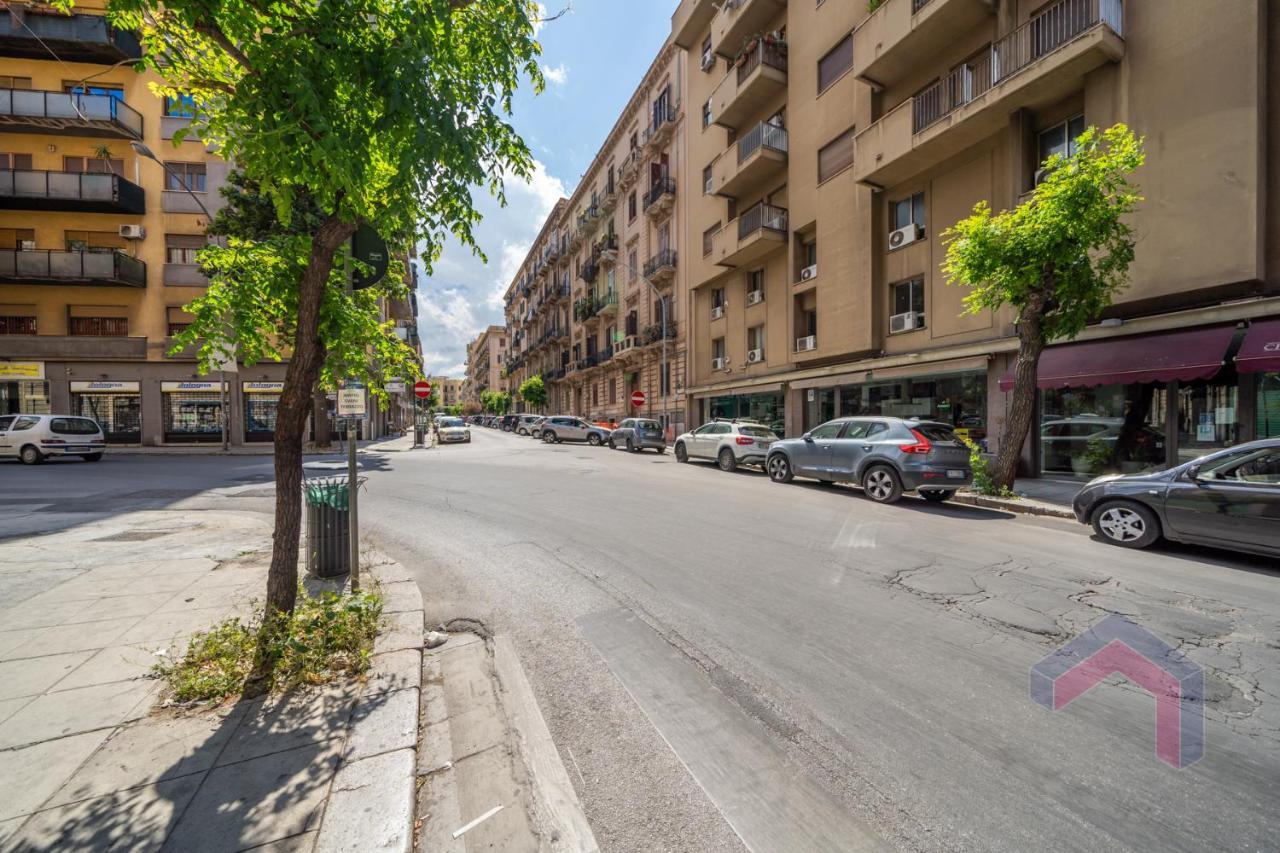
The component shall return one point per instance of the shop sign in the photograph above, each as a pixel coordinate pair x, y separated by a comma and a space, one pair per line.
21, 370
263, 387
191, 386
104, 386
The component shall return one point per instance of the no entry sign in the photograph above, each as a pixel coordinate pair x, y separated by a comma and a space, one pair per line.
637, 398
422, 389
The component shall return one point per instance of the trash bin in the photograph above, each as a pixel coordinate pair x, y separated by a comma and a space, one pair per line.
328, 533
418, 435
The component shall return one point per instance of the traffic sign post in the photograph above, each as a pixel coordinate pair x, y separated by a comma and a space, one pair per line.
421, 391
351, 405
637, 399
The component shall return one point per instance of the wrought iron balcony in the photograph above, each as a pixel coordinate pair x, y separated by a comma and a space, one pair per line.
653, 333
47, 266
72, 191
661, 267
660, 197
66, 113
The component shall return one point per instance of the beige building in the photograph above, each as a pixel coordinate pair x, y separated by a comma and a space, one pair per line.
486, 356
449, 389
835, 145
586, 310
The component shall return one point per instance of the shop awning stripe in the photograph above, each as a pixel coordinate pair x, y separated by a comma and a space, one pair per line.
1260, 352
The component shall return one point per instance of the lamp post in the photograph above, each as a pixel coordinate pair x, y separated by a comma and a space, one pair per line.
143, 151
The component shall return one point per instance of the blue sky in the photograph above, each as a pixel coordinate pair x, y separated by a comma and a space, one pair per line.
592, 57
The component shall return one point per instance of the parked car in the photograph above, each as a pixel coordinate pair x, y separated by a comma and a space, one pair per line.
636, 434
1228, 499
34, 438
453, 430
535, 428
523, 423
729, 442
508, 422
886, 456
568, 428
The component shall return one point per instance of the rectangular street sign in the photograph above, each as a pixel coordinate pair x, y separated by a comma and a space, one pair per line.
395, 385
351, 403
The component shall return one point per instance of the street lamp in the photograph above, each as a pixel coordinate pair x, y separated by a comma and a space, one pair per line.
142, 150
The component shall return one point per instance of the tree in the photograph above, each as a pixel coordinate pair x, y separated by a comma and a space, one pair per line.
1058, 259
534, 392
377, 113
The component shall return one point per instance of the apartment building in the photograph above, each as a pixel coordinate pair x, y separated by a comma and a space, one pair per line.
837, 144
597, 307
486, 356
449, 388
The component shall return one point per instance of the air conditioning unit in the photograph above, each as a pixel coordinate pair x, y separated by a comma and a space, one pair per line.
132, 232
717, 363
708, 60
755, 355
717, 312
809, 272
707, 186
904, 236
806, 343
908, 321
27, 245
755, 297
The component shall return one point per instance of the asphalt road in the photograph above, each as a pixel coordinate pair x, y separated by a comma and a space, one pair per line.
726, 663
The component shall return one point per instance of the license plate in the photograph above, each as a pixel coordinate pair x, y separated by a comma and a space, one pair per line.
955, 474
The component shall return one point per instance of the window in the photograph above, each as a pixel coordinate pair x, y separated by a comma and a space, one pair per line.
665, 380
17, 238
717, 348
906, 211
809, 253
183, 106
112, 90
613, 390
835, 156
94, 241
184, 176
21, 325
706, 114
827, 431
15, 162
837, 61
103, 327
94, 165
909, 296
708, 61
182, 248
708, 238
755, 282
595, 394
8, 82
1059, 139
755, 338
718, 298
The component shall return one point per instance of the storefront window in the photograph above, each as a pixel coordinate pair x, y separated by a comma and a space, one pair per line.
191, 416
260, 416
119, 415
819, 407
959, 400
1268, 405
767, 409
1208, 416
26, 397
1108, 429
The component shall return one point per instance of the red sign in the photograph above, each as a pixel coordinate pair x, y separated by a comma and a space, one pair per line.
422, 389
637, 398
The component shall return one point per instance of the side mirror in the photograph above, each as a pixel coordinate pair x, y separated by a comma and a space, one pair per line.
1193, 473
808, 436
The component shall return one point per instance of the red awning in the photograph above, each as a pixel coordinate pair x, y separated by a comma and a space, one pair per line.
1260, 352
1186, 355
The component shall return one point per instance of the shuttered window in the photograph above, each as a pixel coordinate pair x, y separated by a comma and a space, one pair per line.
833, 66
835, 156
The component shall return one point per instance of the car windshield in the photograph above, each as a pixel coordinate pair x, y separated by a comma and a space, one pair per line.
451, 422
73, 426
756, 432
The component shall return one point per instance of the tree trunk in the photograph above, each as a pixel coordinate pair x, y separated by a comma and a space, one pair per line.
291, 418
1022, 407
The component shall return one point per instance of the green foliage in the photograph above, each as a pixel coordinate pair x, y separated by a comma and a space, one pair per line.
533, 392
983, 482
325, 637
872, 5
495, 402
1068, 246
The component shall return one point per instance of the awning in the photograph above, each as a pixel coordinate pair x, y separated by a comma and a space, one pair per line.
1186, 356
1260, 351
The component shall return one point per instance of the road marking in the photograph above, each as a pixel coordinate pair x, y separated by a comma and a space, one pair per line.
769, 801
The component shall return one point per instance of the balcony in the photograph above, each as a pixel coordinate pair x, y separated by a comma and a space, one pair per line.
36, 32
662, 124
610, 199
757, 233
606, 250
738, 20
605, 354
46, 266
1040, 63
70, 191
759, 78
889, 44
690, 19
653, 334
660, 198
66, 114
661, 268
758, 157
589, 272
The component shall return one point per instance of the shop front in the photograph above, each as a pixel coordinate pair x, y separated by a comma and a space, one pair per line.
116, 406
23, 388
766, 407
193, 411
959, 399
261, 403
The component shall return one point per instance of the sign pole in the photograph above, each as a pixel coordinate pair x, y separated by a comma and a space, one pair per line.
353, 505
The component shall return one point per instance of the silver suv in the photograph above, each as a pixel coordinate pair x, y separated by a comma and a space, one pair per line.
524, 424
566, 428
729, 443
886, 456
34, 438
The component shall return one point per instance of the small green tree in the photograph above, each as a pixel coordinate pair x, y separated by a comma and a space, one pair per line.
534, 392
501, 402
1058, 259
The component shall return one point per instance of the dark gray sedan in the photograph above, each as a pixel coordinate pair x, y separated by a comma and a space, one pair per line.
1229, 499
636, 434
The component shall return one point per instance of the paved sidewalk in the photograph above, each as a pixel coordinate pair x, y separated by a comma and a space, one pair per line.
88, 762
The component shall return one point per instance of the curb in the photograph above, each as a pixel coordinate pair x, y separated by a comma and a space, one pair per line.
1024, 506
371, 799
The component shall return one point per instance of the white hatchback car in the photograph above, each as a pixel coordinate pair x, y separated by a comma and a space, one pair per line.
729, 443
453, 430
34, 438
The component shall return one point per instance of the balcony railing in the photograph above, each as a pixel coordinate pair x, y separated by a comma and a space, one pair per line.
665, 259
917, 5
653, 333
660, 188
762, 217
45, 266
71, 38
765, 53
65, 112
589, 272
605, 354
1049, 30
763, 135
79, 191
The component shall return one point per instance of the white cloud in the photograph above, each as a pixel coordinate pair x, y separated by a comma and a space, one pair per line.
557, 76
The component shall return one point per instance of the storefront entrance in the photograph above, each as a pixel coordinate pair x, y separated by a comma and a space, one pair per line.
959, 399
261, 402
192, 412
116, 406
24, 397
767, 408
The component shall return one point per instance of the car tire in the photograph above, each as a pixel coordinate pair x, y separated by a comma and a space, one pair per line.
548, 438
682, 455
661, 450
92, 457
631, 446
936, 496
881, 484
613, 445
594, 440
778, 467
726, 460
31, 455
1126, 523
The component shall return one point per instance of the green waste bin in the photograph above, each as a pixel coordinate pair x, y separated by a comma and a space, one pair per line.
328, 531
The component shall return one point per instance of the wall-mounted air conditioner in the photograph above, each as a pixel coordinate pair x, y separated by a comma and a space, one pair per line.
905, 236
132, 232
908, 321
708, 60
809, 272
717, 312
717, 363
755, 297
806, 343
754, 356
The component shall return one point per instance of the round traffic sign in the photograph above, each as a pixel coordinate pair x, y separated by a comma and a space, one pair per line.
422, 389
637, 398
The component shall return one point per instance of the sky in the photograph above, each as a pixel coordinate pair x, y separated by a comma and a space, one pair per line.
593, 56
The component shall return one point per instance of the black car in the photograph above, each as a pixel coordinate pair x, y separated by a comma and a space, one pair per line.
1229, 499
509, 422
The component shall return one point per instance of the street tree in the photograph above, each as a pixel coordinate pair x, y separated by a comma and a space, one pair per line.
534, 392
1058, 259
380, 113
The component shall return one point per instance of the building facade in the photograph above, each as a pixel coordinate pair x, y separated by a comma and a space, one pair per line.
450, 390
837, 144
486, 357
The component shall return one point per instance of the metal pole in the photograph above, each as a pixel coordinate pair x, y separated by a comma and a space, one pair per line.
226, 414
353, 518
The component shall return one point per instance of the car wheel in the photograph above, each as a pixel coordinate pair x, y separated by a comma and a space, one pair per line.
613, 445
631, 446
936, 495
521, 432
593, 440
881, 484
726, 460
1129, 525
661, 450
682, 455
31, 455
548, 438
92, 457
779, 468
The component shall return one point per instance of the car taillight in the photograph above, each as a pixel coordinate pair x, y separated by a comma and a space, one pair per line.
744, 440
922, 444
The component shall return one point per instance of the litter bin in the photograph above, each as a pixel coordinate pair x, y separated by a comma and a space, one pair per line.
418, 435
328, 532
